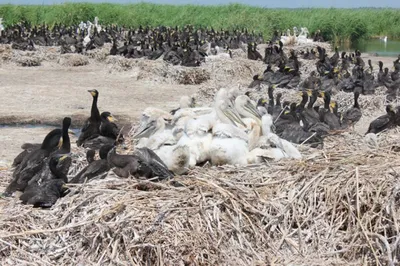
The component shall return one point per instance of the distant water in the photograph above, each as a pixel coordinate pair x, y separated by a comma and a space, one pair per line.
374, 46
76, 131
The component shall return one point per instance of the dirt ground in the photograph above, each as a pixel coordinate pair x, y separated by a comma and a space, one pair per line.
45, 94
336, 206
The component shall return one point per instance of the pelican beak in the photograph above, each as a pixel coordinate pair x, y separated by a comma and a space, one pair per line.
251, 109
145, 129
60, 143
233, 117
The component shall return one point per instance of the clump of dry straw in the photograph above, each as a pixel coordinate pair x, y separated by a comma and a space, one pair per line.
339, 205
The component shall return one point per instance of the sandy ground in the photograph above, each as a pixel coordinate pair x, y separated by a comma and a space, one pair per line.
46, 93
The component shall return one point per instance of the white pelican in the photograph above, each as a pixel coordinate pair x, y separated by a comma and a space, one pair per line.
165, 144
86, 40
287, 147
96, 24
247, 109
1, 25
260, 147
229, 145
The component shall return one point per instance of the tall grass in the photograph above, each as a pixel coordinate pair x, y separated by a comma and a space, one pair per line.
335, 24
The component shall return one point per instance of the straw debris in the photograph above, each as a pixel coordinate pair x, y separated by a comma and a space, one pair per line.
73, 60
339, 205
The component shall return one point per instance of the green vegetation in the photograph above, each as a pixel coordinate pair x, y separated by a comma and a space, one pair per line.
335, 24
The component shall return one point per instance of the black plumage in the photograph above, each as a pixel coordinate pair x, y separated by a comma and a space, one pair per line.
383, 122
63, 167
92, 125
32, 163
143, 163
47, 193
352, 115
95, 168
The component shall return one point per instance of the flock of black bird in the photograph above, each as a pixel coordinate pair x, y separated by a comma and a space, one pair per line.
41, 170
304, 122
187, 46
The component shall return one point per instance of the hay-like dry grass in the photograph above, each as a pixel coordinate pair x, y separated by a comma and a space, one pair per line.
73, 60
337, 206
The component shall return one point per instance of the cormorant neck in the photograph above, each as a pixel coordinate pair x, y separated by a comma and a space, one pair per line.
95, 111
53, 168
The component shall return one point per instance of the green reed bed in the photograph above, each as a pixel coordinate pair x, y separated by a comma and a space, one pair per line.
335, 24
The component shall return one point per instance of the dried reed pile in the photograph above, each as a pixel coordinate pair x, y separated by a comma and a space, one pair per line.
339, 205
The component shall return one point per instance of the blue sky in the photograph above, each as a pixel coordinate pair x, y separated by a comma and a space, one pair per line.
262, 3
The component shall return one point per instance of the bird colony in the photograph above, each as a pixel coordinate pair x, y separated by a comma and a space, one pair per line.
238, 127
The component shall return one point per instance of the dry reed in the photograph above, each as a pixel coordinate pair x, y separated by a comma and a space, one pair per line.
339, 205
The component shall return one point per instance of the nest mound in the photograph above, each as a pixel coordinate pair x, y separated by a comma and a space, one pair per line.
100, 54
337, 206
28, 60
5, 52
73, 60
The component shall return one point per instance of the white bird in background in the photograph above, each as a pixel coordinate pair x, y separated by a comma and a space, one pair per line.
1, 25
96, 24
86, 40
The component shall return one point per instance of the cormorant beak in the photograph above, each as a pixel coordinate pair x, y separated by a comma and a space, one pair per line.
335, 70
274, 86
71, 132
322, 94
60, 143
62, 158
92, 92
111, 118
263, 101
309, 92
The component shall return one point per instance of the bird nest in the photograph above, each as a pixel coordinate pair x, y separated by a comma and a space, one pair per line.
73, 60
28, 61
5, 53
339, 205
